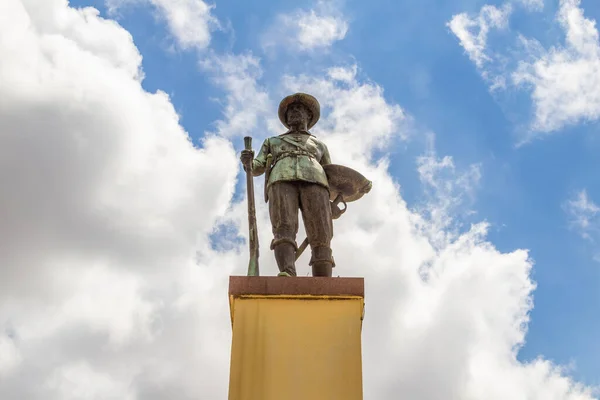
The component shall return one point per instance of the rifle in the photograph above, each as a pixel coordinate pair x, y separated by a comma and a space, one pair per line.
253, 269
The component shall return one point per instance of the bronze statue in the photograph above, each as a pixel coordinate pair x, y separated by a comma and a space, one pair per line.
299, 176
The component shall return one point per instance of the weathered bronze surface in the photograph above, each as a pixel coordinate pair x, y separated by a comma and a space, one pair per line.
346, 182
295, 156
299, 175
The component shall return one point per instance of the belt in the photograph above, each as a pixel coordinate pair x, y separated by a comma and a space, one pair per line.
293, 153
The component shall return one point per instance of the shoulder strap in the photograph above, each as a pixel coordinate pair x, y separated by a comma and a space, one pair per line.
294, 143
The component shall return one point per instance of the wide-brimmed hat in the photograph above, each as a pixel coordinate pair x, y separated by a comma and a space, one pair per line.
309, 101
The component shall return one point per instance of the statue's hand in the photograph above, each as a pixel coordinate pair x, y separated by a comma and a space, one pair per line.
246, 158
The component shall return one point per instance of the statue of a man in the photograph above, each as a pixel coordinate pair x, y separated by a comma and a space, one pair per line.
296, 180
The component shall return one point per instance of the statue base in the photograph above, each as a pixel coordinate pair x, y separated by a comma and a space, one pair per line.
296, 338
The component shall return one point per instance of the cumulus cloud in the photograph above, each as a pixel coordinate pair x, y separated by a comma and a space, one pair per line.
305, 30
189, 21
105, 205
565, 79
111, 288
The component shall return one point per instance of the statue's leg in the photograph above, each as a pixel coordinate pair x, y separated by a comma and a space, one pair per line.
316, 214
283, 210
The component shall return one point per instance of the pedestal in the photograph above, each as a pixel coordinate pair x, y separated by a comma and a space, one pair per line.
296, 338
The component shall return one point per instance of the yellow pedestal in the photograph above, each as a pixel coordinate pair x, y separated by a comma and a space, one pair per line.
296, 338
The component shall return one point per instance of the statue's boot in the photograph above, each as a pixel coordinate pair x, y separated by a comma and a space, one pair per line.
322, 261
322, 268
285, 255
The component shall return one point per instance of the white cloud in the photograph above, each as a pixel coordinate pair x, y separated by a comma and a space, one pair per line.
10, 358
307, 30
319, 31
105, 204
583, 214
473, 31
110, 287
449, 193
78, 380
246, 100
565, 79
360, 119
533, 5
343, 74
189, 21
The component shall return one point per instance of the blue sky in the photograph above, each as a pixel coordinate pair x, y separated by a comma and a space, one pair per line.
530, 145
407, 48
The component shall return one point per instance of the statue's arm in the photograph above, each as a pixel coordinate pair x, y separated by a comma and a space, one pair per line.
260, 162
325, 158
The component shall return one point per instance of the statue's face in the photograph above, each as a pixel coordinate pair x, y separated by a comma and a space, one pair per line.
297, 113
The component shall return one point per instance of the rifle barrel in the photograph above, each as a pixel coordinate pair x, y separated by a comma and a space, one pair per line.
253, 268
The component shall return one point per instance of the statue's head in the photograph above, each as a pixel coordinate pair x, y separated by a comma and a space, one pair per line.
299, 109
298, 114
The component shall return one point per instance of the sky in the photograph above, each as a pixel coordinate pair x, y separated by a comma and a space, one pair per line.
123, 206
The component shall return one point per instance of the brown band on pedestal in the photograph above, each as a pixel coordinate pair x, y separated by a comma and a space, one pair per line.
297, 286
